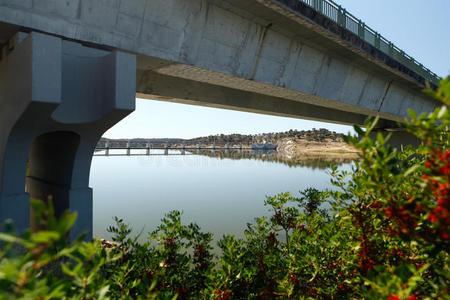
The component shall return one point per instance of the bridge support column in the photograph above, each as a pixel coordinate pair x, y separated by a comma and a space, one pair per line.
398, 138
107, 148
56, 100
128, 148
147, 146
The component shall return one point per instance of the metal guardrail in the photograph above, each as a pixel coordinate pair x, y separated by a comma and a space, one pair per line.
345, 19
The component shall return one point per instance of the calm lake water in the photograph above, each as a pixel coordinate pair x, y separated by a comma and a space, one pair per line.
219, 191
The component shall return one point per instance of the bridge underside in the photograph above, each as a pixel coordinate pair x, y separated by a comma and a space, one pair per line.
156, 86
250, 55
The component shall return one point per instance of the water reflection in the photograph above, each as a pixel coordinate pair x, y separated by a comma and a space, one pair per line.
311, 160
314, 161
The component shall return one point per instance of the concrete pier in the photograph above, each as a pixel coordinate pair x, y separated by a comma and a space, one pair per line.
148, 147
398, 138
128, 148
57, 98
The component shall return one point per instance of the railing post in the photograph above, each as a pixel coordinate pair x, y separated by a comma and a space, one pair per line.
361, 29
339, 15
377, 40
318, 5
391, 49
402, 56
344, 18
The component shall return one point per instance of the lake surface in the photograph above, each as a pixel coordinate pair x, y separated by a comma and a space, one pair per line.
220, 191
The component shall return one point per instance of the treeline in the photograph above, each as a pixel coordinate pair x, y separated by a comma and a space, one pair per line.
319, 135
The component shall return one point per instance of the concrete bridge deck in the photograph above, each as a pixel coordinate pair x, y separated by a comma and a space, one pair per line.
279, 57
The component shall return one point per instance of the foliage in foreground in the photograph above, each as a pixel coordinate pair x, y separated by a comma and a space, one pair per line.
386, 236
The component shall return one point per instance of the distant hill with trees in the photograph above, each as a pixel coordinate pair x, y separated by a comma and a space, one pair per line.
314, 135
317, 135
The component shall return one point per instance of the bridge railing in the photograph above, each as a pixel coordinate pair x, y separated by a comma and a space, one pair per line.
345, 19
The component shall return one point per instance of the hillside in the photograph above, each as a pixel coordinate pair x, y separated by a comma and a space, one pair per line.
314, 135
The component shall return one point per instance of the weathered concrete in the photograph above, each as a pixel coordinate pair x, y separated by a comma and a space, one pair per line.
263, 54
56, 100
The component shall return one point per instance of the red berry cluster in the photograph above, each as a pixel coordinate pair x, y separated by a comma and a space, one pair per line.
272, 241
284, 219
201, 257
368, 251
395, 297
182, 292
222, 295
404, 217
438, 181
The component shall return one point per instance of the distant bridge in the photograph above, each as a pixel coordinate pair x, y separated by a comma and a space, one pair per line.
167, 151
70, 70
148, 145
106, 152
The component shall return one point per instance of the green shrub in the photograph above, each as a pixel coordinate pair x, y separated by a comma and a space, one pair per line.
386, 236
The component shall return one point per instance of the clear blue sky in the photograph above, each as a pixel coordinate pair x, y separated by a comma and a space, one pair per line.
420, 28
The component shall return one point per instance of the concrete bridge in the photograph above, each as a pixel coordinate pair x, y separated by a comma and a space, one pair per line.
166, 152
70, 70
129, 145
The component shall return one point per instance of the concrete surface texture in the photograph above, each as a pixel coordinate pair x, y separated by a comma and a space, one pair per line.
56, 100
250, 55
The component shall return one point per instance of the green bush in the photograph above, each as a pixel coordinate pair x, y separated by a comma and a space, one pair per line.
386, 236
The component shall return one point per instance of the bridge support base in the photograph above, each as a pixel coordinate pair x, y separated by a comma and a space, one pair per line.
56, 100
398, 138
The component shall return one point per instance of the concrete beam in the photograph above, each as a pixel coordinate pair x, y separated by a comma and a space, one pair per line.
175, 89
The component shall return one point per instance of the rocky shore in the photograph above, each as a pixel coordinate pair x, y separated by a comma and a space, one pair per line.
298, 149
